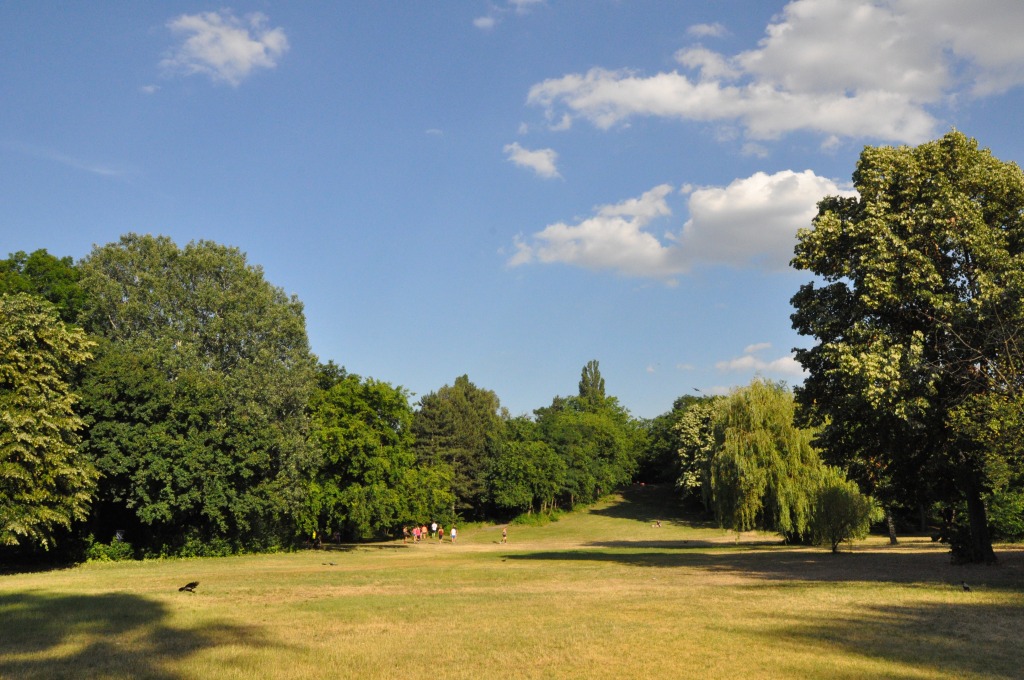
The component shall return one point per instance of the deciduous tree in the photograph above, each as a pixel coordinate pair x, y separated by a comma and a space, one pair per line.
918, 316
46, 482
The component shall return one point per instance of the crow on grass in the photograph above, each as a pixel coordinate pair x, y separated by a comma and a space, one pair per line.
189, 587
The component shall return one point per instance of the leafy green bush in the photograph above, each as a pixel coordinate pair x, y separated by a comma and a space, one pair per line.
115, 551
841, 512
1006, 515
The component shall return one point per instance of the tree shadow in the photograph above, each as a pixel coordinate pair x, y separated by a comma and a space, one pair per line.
105, 635
652, 503
772, 562
969, 638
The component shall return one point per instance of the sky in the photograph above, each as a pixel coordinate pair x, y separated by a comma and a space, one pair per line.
505, 189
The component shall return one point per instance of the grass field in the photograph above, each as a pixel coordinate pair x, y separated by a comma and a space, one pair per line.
599, 594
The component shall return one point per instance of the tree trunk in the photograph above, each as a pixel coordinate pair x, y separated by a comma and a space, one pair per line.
980, 545
891, 524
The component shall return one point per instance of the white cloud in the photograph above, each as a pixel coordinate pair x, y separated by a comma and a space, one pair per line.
614, 238
224, 47
786, 365
541, 161
485, 23
523, 6
715, 30
751, 223
841, 68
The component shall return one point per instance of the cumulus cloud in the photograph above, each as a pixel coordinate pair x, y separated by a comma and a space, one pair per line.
847, 68
541, 161
750, 362
752, 222
224, 47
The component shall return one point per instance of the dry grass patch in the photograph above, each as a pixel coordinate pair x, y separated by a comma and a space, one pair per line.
600, 594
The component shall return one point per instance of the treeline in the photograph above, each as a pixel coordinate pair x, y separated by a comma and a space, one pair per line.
167, 398
170, 393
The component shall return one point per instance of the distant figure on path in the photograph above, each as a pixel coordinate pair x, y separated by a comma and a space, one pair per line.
405, 534
454, 533
504, 534
440, 534
433, 529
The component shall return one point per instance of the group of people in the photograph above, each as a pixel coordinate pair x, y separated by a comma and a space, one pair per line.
423, 533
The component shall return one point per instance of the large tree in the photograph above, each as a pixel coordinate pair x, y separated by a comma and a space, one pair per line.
197, 400
764, 473
367, 481
458, 426
917, 316
45, 480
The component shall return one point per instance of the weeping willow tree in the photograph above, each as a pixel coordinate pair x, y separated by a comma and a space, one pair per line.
764, 473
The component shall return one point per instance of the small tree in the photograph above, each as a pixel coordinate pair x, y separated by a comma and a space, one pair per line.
841, 512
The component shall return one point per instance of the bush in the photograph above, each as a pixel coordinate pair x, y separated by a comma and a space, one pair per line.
1006, 515
841, 512
115, 551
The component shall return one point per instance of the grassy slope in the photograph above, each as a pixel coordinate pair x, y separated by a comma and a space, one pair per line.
599, 594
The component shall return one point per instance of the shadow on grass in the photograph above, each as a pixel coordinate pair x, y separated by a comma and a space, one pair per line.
968, 638
772, 562
107, 635
651, 503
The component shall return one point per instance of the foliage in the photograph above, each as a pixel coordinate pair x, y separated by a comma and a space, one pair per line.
45, 480
1006, 514
918, 319
694, 433
763, 470
41, 274
196, 402
367, 477
526, 474
841, 511
456, 427
659, 460
115, 551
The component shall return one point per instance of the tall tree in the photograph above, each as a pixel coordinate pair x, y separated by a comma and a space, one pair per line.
367, 478
45, 480
591, 391
457, 426
918, 317
197, 400
764, 471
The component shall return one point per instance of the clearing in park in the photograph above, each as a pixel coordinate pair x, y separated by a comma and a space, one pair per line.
602, 593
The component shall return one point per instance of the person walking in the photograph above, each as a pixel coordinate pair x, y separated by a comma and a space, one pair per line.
504, 534
454, 533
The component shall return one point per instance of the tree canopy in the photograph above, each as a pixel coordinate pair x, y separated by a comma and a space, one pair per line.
917, 318
45, 480
196, 402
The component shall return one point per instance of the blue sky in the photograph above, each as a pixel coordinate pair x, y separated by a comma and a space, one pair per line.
500, 189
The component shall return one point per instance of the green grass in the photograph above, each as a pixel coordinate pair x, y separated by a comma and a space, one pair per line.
597, 594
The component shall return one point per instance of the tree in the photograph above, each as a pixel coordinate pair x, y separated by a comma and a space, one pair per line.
456, 426
41, 274
596, 438
591, 385
841, 511
763, 470
367, 475
694, 437
526, 473
918, 318
196, 402
45, 480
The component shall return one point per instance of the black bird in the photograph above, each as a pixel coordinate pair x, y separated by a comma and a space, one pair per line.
967, 588
189, 587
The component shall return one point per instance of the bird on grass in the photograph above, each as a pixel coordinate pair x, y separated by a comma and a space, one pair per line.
189, 587
966, 587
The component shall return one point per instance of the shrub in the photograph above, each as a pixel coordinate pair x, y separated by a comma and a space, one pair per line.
841, 512
115, 551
